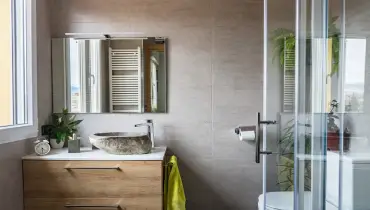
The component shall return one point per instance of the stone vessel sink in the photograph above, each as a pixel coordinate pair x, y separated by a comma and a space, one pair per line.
120, 143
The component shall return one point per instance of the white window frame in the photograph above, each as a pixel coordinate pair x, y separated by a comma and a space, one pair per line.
30, 128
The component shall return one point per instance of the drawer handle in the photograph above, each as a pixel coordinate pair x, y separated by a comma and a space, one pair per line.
93, 168
92, 206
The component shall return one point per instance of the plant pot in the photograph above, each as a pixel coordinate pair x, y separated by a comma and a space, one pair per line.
333, 139
55, 145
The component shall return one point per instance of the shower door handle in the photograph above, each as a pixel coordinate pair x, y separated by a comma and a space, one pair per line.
258, 137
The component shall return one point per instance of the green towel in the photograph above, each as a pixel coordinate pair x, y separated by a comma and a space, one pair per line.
174, 195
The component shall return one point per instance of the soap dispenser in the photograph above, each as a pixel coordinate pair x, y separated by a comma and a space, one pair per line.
74, 144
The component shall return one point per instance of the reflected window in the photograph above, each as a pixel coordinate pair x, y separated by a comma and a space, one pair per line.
74, 66
354, 81
85, 61
154, 87
15, 57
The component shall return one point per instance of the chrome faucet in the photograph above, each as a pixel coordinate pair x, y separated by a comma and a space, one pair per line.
150, 125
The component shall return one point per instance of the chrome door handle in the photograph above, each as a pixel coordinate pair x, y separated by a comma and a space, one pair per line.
93, 206
258, 137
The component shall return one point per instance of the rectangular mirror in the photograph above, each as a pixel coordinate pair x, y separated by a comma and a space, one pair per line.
110, 75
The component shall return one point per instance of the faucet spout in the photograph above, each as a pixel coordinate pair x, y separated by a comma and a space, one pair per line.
150, 125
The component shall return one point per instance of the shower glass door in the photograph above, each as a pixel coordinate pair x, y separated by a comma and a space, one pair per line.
302, 90
316, 78
317, 60
339, 156
277, 128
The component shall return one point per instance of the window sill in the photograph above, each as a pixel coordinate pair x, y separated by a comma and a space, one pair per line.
17, 133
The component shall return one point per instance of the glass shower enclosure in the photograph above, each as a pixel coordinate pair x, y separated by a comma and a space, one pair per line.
317, 89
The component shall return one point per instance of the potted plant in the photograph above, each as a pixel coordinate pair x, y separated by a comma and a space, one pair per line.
285, 161
333, 131
285, 40
63, 127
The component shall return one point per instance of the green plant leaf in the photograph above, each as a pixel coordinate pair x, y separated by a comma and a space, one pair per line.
74, 123
284, 40
64, 125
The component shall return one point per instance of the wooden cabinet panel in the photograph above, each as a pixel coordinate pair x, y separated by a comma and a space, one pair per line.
137, 203
92, 179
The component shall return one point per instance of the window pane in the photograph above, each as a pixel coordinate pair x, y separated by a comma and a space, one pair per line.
354, 86
6, 114
19, 59
13, 72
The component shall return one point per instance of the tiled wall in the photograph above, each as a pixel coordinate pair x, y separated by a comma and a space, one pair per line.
11, 183
215, 84
44, 95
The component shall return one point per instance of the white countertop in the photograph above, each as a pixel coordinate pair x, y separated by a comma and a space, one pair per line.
157, 154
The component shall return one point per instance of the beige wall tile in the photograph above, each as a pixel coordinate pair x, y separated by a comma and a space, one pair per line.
11, 183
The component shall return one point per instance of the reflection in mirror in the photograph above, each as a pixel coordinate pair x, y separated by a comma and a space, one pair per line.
354, 84
354, 79
110, 76
154, 71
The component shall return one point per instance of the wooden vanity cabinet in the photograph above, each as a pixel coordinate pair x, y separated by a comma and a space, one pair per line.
126, 185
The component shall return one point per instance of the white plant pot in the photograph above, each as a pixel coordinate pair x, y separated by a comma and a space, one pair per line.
55, 145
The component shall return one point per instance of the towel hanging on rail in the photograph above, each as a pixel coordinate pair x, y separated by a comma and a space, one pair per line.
174, 195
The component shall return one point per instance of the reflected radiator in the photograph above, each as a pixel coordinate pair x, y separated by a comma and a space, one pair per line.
125, 80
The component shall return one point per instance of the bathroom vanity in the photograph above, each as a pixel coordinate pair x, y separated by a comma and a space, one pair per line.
93, 179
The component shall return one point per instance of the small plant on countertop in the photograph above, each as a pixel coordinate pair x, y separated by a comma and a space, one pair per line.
332, 126
64, 125
333, 131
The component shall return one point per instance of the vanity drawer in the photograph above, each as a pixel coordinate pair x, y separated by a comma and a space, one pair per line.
137, 203
91, 179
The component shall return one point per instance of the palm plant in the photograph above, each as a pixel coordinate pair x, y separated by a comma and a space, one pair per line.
285, 40
285, 163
